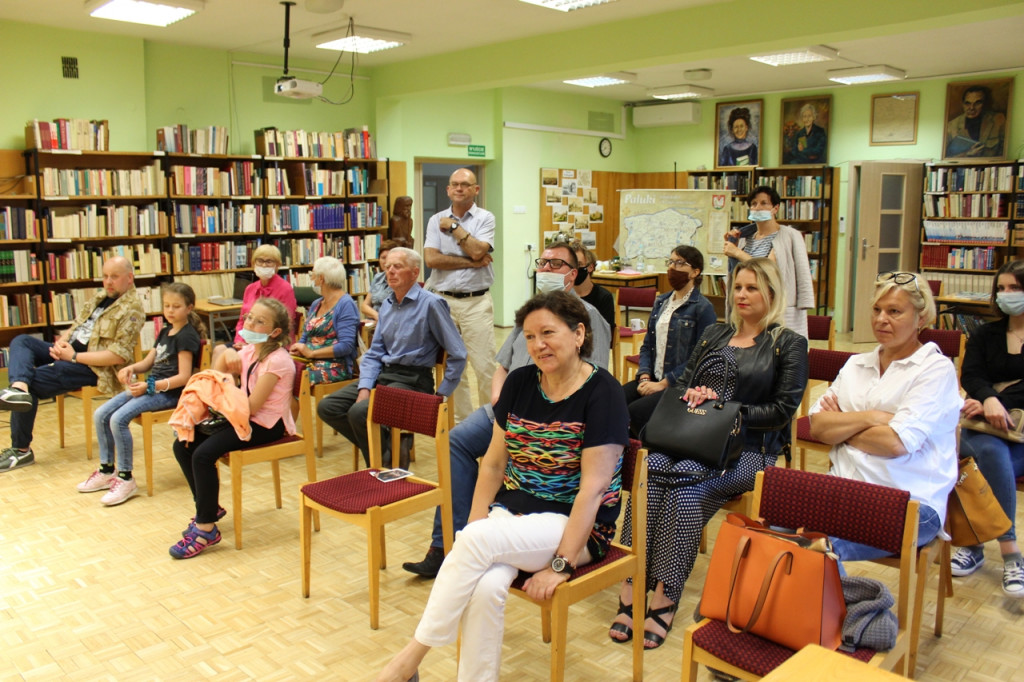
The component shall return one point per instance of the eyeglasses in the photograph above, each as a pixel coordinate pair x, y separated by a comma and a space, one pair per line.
461, 185
265, 262
677, 264
555, 263
900, 278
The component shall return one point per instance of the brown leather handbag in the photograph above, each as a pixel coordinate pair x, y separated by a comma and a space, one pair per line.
783, 587
973, 514
1014, 435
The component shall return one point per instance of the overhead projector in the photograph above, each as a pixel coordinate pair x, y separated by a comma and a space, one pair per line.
296, 88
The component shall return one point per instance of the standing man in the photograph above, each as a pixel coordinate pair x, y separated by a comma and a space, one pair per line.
457, 248
978, 131
594, 294
99, 342
414, 327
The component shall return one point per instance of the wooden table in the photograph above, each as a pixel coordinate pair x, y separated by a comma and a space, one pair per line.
814, 662
614, 279
224, 315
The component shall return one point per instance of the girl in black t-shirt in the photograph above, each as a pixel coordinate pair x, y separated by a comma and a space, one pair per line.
170, 364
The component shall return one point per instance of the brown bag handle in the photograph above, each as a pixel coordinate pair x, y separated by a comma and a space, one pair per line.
766, 583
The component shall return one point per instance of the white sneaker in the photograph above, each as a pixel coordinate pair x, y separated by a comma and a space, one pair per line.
1013, 579
120, 491
97, 481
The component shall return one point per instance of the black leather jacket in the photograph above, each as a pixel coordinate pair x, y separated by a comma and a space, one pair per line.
770, 387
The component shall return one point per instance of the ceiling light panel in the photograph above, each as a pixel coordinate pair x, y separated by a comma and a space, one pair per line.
809, 55
364, 40
566, 5
866, 74
151, 13
602, 80
680, 92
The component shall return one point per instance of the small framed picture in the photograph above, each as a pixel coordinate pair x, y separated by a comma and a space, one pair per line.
894, 119
805, 128
738, 133
977, 119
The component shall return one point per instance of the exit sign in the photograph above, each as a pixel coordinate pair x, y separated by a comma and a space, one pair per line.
477, 150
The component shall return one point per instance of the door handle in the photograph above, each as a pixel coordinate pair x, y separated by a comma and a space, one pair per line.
864, 246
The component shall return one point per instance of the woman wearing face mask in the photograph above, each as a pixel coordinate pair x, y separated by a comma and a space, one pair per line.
332, 324
677, 320
993, 370
784, 245
266, 260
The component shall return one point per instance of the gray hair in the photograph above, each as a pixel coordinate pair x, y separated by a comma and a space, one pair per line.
412, 259
333, 272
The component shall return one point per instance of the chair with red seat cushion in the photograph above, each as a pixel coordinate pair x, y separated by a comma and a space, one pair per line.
632, 297
822, 328
950, 341
359, 498
870, 514
822, 366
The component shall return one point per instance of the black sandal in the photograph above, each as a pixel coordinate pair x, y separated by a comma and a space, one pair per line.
622, 627
656, 616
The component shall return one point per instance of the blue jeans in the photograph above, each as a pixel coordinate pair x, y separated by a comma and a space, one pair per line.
29, 361
468, 440
113, 422
928, 526
1001, 462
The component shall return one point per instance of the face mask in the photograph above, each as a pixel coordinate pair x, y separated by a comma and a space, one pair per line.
678, 279
264, 273
759, 216
250, 336
1011, 302
581, 276
550, 281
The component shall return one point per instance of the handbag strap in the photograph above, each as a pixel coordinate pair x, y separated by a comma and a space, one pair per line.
741, 552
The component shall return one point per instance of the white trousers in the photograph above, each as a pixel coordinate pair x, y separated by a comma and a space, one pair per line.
473, 584
474, 318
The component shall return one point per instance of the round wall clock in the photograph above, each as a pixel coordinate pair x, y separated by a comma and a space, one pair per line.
605, 147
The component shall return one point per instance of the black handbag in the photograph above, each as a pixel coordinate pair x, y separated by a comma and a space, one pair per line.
710, 434
213, 424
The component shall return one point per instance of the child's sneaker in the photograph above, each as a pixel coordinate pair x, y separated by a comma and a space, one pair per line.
221, 513
97, 481
1013, 579
15, 400
120, 491
966, 561
194, 542
13, 458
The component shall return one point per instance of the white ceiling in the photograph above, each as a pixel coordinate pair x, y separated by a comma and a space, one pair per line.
257, 26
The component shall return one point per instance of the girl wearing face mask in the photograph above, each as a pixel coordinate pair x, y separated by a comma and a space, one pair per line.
266, 260
993, 378
332, 323
677, 320
267, 375
784, 245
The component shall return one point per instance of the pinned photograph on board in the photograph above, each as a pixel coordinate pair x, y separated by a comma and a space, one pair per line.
553, 195
596, 213
569, 188
548, 176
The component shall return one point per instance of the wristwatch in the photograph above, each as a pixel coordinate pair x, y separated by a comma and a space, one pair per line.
74, 356
561, 565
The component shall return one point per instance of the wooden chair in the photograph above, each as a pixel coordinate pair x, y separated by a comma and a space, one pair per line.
822, 366
620, 563
299, 444
950, 341
875, 515
822, 328
359, 498
627, 298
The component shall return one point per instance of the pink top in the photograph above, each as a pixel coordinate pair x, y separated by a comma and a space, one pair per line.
279, 403
277, 288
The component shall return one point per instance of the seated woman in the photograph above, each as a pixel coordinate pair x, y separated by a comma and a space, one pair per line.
757, 362
678, 318
329, 338
992, 372
267, 373
891, 414
266, 260
547, 496
379, 289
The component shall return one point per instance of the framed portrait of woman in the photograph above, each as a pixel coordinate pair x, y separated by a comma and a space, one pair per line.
977, 123
738, 133
805, 128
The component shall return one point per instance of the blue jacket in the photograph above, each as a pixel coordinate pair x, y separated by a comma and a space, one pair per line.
686, 326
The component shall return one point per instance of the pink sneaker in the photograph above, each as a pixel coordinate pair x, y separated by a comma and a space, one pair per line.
120, 491
97, 481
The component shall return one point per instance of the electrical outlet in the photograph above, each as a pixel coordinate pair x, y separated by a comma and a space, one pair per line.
531, 247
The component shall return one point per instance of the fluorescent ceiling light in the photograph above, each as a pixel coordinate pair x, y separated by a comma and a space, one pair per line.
567, 5
364, 41
866, 74
816, 53
151, 12
680, 92
604, 79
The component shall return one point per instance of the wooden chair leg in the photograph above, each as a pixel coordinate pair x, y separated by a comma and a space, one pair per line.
60, 418
275, 468
375, 543
559, 630
945, 589
305, 542
639, 596
87, 406
236, 498
147, 447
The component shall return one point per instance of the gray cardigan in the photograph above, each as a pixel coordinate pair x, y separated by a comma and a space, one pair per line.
791, 257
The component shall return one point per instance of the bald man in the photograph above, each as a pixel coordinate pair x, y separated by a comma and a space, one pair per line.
457, 248
100, 341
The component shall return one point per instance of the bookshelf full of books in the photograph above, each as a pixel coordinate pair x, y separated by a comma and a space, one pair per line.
738, 181
22, 306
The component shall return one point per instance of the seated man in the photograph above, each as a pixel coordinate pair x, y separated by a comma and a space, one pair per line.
413, 328
590, 291
99, 342
557, 266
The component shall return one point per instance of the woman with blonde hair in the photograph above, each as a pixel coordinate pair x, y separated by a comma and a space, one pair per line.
266, 261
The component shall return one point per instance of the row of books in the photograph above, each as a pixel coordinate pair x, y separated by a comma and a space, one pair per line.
178, 139
967, 205
208, 256
77, 222
87, 262
64, 306
228, 218
969, 179
239, 179
812, 240
19, 266
351, 143
800, 186
17, 310
963, 285
358, 279
322, 182
966, 231
17, 222
965, 322
958, 257
737, 182
297, 217
306, 251
68, 133
799, 209
80, 182
713, 285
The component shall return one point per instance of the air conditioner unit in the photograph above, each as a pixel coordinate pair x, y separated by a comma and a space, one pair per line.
675, 114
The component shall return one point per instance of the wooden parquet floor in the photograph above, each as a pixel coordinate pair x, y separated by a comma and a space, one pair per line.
90, 593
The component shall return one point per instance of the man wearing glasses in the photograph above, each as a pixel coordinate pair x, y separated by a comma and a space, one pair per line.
457, 248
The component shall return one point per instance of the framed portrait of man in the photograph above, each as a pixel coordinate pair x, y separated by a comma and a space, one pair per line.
977, 123
738, 133
805, 129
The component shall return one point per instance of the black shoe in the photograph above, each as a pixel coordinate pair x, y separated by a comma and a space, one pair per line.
430, 565
15, 400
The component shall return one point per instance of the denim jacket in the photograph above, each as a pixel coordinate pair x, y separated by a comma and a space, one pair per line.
686, 326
